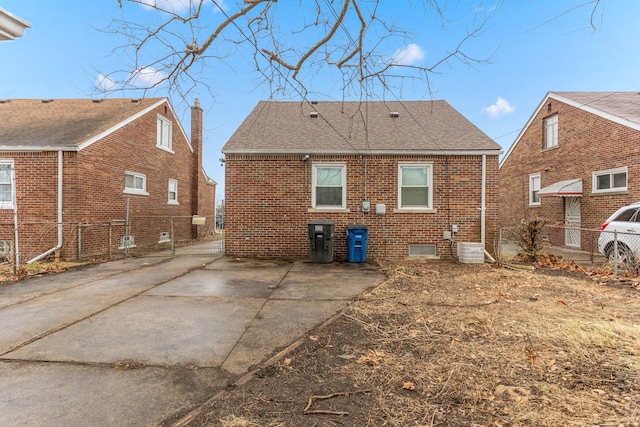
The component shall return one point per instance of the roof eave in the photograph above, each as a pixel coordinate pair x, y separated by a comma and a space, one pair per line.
11, 27
22, 148
490, 152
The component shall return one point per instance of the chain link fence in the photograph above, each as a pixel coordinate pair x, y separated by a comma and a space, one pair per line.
592, 249
24, 242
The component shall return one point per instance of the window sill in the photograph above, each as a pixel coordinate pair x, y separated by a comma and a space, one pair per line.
414, 211
549, 148
136, 192
333, 210
163, 148
173, 203
537, 205
610, 193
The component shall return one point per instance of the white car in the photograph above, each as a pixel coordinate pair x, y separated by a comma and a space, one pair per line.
626, 222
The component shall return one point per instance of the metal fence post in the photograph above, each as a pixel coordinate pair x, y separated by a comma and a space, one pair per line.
79, 241
500, 244
615, 252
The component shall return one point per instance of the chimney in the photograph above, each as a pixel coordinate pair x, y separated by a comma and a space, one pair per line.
197, 184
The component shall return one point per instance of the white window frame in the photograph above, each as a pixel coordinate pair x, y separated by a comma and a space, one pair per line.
610, 172
551, 131
430, 186
138, 191
164, 139
314, 179
9, 204
532, 181
173, 188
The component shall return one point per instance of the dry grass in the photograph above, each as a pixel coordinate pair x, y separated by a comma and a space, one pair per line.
8, 275
450, 344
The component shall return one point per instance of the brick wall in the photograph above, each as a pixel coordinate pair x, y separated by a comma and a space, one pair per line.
94, 184
586, 143
268, 198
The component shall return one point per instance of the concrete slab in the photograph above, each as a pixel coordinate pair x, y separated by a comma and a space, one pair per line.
244, 284
34, 319
278, 325
153, 330
53, 394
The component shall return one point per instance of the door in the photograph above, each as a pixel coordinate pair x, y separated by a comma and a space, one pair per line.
572, 221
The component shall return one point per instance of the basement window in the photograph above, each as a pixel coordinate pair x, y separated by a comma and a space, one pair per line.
6, 249
127, 242
422, 250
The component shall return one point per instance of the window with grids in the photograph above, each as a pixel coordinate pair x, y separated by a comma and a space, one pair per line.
164, 134
414, 186
551, 132
7, 188
329, 186
610, 180
534, 187
135, 183
173, 192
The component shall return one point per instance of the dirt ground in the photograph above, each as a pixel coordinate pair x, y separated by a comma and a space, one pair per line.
448, 344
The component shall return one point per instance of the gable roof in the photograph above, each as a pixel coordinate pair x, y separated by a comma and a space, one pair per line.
421, 127
619, 107
67, 124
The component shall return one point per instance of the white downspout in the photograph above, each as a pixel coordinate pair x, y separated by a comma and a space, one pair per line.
59, 245
483, 198
483, 208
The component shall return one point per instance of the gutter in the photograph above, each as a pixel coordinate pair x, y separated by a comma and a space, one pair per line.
59, 245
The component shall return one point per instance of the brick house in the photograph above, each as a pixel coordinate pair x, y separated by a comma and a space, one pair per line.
420, 168
574, 163
80, 162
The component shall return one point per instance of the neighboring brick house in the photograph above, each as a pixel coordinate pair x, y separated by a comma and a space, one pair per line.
574, 163
422, 162
81, 161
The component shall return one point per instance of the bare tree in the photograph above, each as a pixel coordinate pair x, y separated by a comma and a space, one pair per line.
290, 42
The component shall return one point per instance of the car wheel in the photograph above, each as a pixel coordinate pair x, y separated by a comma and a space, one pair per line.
624, 253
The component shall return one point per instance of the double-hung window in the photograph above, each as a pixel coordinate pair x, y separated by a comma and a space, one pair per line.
7, 188
135, 183
551, 132
173, 192
164, 140
415, 188
329, 186
610, 180
534, 187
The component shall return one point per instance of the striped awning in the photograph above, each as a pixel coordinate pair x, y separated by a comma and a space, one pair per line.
568, 188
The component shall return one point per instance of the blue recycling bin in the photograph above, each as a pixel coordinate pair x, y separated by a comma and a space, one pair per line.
357, 235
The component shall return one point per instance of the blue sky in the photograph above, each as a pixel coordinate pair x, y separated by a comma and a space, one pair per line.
533, 47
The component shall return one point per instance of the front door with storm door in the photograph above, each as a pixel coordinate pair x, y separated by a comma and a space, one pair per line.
572, 221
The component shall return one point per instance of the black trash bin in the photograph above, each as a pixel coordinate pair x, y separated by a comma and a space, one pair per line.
357, 235
321, 240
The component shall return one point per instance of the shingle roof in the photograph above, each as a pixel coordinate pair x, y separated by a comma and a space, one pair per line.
420, 126
62, 123
625, 105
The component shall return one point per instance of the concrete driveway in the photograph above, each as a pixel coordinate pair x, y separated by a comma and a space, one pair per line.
137, 341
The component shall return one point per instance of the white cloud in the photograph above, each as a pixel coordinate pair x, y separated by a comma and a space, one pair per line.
104, 83
408, 55
500, 108
146, 77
